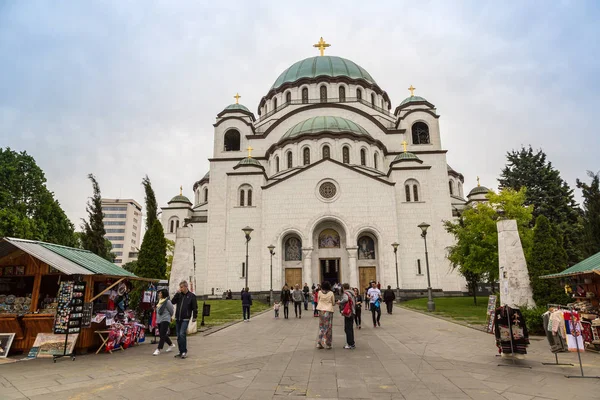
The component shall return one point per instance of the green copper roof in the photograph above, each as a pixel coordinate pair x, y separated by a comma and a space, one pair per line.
406, 156
234, 107
180, 199
322, 66
412, 99
318, 125
478, 190
587, 266
249, 161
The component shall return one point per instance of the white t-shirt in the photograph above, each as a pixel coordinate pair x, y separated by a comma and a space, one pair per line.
374, 294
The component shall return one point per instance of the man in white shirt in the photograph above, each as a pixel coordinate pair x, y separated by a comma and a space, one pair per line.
374, 296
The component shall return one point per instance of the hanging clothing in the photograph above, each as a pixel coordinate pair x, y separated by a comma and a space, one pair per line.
556, 339
510, 322
574, 330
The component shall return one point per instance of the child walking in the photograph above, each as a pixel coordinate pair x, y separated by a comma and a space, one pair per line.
276, 309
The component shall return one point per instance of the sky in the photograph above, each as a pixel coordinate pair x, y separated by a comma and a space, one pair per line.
122, 89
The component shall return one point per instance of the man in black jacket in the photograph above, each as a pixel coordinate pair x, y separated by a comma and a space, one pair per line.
187, 310
306, 291
388, 297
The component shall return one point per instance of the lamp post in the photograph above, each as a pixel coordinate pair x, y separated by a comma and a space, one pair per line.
272, 252
430, 303
395, 246
247, 231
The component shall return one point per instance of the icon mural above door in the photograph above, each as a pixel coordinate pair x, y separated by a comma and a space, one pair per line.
329, 239
293, 249
366, 248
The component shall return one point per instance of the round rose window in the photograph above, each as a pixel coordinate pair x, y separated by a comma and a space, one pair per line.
327, 190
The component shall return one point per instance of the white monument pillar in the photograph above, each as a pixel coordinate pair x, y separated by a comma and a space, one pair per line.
515, 289
183, 260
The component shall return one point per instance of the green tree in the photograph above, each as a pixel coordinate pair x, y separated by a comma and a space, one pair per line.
475, 252
547, 257
591, 214
151, 205
131, 266
152, 259
92, 235
28, 209
547, 192
170, 253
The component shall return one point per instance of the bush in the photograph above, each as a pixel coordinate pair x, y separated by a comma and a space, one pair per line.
533, 319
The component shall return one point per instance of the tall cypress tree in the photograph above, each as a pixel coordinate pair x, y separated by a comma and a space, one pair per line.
151, 205
92, 237
591, 214
152, 260
549, 194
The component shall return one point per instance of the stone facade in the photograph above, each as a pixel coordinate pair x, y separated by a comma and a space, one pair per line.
366, 177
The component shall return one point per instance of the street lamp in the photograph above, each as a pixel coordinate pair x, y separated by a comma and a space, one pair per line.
272, 252
395, 246
247, 231
430, 303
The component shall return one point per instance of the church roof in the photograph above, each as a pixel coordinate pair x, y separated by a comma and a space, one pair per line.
180, 199
478, 190
330, 66
238, 107
321, 124
412, 99
249, 161
407, 156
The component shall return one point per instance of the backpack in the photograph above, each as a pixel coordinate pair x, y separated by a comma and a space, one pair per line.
347, 310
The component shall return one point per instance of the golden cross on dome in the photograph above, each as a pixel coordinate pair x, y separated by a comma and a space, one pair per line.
404, 143
237, 98
181, 190
249, 151
478, 184
412, 90
321, 46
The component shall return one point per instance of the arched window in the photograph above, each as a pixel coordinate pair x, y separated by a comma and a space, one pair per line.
249, 202
232, 140
288, 97
205, 195
176, 225
275, 104
305, 96
289, 159
326, 152
366, 248
407, 192
342, 91
323, 94
375, 161
373, 99
293, 249
363, 157
451, 186
242, 198
412, 185
420, 133
306, 156
346, 155
277, 164
359, 94
172, 226
416, 192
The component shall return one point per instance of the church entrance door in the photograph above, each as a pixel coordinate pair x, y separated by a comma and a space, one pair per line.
293, 276
330, 270
366, 275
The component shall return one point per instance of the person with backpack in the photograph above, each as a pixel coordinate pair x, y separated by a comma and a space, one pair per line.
298, 298
246, 304
286, 297
388, 297
358, 307
347, 304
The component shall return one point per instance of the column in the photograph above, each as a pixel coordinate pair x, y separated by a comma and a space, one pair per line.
307, 268
352, 268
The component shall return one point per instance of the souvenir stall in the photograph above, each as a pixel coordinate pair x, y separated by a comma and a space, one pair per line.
50, 289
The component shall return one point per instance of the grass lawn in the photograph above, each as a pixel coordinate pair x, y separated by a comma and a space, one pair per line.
458, 308
224, 311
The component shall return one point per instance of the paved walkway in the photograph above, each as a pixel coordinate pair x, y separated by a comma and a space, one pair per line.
412, 356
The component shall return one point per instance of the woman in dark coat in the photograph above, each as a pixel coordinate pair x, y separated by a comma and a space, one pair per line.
246, 304
286, 297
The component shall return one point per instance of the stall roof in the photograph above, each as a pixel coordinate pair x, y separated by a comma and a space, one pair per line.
68, 260
588, 266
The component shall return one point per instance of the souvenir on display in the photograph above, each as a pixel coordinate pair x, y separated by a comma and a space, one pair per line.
20, 270
9, 271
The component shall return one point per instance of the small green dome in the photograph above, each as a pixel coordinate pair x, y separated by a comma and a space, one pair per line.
406, 156
478, 190
412, 99
180, 199
316, 125
322, 66
249, 161
236, 107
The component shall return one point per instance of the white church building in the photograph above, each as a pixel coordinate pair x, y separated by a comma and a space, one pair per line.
330, 174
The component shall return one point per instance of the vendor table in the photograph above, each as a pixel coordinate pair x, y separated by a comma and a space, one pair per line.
104, 340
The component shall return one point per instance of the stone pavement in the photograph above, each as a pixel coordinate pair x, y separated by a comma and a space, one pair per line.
412, 356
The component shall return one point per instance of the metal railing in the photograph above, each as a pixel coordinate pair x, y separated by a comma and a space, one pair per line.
329, 100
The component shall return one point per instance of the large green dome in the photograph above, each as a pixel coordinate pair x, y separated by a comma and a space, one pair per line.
316, 125
322, 66
236, 107
412, 99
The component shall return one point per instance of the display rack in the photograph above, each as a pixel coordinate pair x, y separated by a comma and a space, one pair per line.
512, 346
70, 313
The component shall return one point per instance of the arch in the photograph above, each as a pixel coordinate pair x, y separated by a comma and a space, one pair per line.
366, 248
323, 94
342, 94
327, 218
290, 159
232, 140
274, 103
372, 99
412, 190
451, 187
346, 155
329, 239
242, 198
249, 198
359, 94
245, 195
206, 195
420, 133
288, 97
306, 156
173, 224
326, 151
276, 164
376, 161
304, 95
292, 248
363, 157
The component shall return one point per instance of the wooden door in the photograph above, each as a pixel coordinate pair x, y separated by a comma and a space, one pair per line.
293, 276
366, 275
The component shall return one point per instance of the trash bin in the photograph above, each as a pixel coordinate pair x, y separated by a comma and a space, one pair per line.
206, 310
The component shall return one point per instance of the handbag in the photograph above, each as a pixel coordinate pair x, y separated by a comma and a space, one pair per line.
347, 311
377, 304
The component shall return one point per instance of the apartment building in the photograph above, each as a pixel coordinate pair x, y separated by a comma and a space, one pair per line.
123, 226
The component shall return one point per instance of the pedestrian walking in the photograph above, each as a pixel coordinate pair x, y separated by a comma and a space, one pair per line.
326, 302
347, 309
316, 301
366, 297
246, 304
358, 308
187, 310
374, 296
298, 298
276, 307
286, 297
306, 291
164, 313
388, 297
